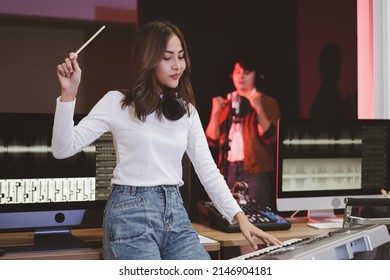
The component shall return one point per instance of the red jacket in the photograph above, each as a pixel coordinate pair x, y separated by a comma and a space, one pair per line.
259, 151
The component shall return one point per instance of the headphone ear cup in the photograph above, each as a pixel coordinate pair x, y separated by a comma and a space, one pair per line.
173, 108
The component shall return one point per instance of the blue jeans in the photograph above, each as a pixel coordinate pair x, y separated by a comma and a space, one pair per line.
260, 186
149, 223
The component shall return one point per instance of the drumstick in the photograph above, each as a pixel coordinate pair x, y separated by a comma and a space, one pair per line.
90, 39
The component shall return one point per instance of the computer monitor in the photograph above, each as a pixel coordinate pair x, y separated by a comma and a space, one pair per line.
320, 162
46, 195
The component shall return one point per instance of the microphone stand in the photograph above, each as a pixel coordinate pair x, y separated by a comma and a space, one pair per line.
226, 145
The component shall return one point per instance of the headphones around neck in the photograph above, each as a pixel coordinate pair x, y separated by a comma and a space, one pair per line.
173, 107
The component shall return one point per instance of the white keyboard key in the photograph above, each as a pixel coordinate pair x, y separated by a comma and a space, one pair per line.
266, 249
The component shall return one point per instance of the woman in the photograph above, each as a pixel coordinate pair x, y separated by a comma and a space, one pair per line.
144, 216
243, 126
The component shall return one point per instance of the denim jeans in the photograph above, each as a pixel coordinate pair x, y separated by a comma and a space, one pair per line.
149, 223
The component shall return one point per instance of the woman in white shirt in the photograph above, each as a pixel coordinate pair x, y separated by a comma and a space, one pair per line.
145, 217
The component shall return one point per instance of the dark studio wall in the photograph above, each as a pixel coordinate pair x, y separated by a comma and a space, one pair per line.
327, 51
279, 32
31, 48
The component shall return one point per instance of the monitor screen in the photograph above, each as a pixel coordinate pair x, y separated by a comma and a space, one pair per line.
44, 194
320, 162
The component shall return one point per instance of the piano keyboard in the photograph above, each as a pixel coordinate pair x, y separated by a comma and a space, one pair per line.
341, 244
267, 249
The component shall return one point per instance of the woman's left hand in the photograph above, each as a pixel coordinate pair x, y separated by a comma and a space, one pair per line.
249, 231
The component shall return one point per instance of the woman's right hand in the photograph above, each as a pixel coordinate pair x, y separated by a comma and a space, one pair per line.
69, 75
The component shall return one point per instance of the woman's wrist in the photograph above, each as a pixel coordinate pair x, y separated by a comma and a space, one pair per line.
241, 217
67, 97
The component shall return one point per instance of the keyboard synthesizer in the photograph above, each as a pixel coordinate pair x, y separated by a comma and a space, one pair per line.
342, 244
262, 217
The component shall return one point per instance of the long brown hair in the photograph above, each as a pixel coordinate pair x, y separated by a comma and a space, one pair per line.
150, 45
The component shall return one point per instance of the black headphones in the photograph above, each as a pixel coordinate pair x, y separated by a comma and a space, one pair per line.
173, 107
240, 192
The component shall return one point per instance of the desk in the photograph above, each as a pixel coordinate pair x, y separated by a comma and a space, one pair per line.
213, 240
26, 238
228, 240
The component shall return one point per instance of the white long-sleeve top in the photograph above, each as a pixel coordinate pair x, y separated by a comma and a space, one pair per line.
148, 153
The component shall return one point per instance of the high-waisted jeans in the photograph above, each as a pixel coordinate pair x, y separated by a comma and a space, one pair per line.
149, 223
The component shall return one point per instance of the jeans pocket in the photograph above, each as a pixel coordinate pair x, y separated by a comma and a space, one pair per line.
127, 218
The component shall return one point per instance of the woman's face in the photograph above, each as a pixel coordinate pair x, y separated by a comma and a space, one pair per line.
172, 65
243, 79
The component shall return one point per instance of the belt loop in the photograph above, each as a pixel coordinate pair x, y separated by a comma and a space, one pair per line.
133, 190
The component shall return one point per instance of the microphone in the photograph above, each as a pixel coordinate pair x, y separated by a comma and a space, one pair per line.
235, 104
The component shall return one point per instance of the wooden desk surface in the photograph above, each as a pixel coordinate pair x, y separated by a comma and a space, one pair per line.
27, 238
96, 234
297, 230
